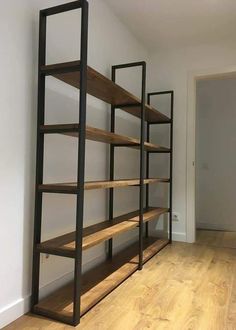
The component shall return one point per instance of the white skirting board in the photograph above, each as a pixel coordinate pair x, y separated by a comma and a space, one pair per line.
179, 237
21, 306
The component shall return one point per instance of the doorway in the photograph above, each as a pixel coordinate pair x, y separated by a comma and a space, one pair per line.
194, 78
215, 161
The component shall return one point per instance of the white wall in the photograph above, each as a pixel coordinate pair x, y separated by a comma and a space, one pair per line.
17, 127
215, 154
109, 43
169, 69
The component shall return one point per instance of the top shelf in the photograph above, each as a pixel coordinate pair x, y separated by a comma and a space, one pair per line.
104, 89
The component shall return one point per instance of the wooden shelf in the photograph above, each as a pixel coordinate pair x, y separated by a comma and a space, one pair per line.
71, 187
103, 88
65, 245
98, 282
99, 135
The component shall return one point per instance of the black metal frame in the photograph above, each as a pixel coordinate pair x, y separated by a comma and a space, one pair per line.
83, 5
171, 92
79, 191
141, 64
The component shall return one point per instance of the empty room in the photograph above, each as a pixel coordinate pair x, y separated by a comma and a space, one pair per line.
118, 165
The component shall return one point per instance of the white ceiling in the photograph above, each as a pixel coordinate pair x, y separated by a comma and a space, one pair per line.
171, 23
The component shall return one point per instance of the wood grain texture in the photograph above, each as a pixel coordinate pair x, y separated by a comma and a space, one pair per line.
65, 245
106, 184
219, 238
99, 135
100, 281
184, 287
103, 88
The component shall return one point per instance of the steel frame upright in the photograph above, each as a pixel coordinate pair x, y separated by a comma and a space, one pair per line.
170, 122
141, 64
83, 5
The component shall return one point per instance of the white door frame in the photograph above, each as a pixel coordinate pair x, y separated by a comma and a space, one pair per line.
190, 145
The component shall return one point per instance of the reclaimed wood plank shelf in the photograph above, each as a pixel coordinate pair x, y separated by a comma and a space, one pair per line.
109, 275
104, 89
65, 245
99, 135
68, 303
71, 187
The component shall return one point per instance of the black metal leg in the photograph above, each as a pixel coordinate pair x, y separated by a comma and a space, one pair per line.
142, 167
39, 161
112, 159
81, 162
147, 176
111, 194
171, 166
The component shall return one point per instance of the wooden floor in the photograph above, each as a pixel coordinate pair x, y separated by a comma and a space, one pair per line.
186, 286
226, 239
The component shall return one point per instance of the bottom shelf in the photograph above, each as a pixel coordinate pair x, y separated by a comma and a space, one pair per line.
109, 275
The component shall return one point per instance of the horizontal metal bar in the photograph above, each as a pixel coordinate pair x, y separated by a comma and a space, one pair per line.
61, 8
58, 130
48, 71
58, 191
51, 251
160, 122
160, 93
127, 145
128, 65
53, 315
159, 151
129, 105
138, 145
164, 181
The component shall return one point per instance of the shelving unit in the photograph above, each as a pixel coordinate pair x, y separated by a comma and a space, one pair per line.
69, 303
